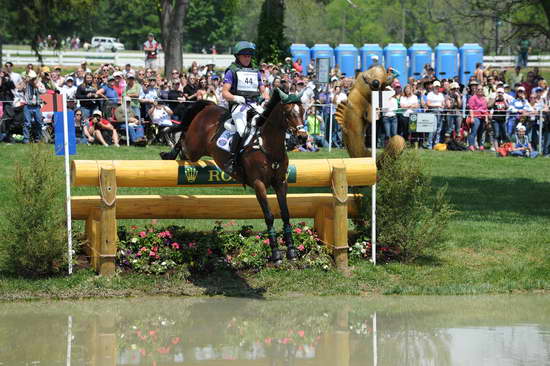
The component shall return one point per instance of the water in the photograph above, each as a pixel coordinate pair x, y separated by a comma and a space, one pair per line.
488, 330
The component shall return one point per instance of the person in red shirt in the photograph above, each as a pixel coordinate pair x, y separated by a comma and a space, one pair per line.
151, 48
297, 65
98, 127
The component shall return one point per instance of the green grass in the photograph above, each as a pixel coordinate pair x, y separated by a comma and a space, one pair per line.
497, 242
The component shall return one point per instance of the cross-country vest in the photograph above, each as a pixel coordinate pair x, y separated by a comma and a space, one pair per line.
245, 81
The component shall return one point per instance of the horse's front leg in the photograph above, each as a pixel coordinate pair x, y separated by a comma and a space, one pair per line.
261, 195
281, 191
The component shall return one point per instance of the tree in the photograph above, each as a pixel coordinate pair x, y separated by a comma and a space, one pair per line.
172, 13
272, 45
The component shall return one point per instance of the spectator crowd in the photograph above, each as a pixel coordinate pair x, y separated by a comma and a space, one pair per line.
495, 106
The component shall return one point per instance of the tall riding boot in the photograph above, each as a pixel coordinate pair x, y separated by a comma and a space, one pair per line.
231, 165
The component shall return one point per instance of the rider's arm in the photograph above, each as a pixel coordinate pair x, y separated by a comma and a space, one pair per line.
226, 94
263, 92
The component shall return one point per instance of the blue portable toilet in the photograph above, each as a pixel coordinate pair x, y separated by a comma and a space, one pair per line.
446, 61
395, 56
323, 50
298, 50
371, 53
470, 55
420, 54
345, 56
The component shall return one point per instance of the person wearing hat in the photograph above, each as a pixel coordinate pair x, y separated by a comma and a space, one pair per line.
68, 88
435, 101
519, 109
148, 95
132, 90
135, 129
102, 130
110, 94
287, 67
453, 103
479, 115
242, 86
33, 121
498, 108
151, 48
522, 145
84, 66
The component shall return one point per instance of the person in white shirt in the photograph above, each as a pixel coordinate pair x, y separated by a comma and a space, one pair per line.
389, 117
68, 89
409, 102
435, 101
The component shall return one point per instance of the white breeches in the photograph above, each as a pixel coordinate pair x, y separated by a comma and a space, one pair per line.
239, 115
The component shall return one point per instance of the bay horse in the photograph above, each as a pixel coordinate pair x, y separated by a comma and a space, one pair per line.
262, 164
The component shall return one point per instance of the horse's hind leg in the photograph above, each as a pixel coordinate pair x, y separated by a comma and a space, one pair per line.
281, 192
261, 195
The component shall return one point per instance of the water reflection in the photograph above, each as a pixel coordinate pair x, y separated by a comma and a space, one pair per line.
305, 331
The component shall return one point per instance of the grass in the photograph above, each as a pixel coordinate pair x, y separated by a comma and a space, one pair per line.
497, 242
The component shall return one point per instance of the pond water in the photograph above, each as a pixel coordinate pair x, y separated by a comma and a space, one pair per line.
487, 330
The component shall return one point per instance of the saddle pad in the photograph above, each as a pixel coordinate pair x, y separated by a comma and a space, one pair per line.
224, 141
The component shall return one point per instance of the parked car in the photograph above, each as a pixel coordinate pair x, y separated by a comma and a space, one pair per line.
107, 43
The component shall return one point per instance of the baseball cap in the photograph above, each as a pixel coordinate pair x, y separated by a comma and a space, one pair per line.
117, 73
521, 127
454, 85
83, 62
436, 83
500, 90
537, 89
521, 88
474, 82
130, 75
97, 112
69, 78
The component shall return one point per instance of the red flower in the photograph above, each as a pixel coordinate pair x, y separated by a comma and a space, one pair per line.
266, 241
142, 234
301, 247
301, 333
175, 245
152, 332
297, 230
209, 251
163, 350
152, 254
286, 340
176, 340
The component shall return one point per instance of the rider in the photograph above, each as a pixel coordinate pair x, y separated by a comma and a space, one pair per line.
242, 86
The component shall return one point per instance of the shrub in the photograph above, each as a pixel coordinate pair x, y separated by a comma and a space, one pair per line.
411, 218
33, 237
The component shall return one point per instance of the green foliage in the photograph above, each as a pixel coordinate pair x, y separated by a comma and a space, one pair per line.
33, 233
272, 45
411, 220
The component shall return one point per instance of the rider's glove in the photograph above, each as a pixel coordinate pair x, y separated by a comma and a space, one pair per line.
239, 100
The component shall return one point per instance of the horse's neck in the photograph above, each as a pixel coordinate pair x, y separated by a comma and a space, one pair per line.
273, 134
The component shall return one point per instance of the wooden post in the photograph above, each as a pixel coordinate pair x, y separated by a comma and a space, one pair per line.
108, 235
340, 223
93, 227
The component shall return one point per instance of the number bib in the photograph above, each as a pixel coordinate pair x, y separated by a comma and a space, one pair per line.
247, 81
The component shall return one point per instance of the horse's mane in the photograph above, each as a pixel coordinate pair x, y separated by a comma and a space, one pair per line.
269, 107
194, 109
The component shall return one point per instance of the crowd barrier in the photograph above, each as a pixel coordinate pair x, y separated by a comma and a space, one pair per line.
330, 211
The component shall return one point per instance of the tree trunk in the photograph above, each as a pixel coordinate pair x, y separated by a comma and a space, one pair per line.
171, 25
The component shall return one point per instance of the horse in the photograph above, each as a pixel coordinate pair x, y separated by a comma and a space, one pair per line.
355, 113
263, 163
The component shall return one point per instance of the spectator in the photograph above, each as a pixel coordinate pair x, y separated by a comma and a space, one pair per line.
128, 70
519, 109
15, 77
102, 130
390, 117
135, 129
409, 102
175, 95
516, 77
524, 48
338, 97
522, 145
311, 68
479, 73
82, 129
110, 95
151, 48
435, 102
25, 73
297, 65
315, 127
479, 115
191, 90
498, 108
160, 114
287, 67
453, 105
68, 88
31, 109
148, 95
84, 66
133, 90
87, 93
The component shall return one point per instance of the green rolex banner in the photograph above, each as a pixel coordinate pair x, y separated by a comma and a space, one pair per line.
191, 174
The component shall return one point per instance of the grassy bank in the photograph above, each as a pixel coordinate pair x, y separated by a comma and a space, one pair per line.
497, 242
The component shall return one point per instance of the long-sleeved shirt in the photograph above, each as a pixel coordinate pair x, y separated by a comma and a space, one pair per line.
518, 105
31, 95
478, 106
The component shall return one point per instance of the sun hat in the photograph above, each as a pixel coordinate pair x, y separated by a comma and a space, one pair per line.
436, 83
97, 112
500, 90
31, 74
454, 85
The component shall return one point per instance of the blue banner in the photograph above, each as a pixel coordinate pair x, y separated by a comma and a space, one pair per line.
59, 143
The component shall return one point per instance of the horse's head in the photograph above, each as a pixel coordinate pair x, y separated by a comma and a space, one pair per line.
375, 78
293, 114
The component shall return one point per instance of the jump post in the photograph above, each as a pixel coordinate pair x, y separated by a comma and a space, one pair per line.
330, 211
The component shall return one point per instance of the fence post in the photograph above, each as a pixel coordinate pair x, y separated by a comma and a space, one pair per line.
340, 222
107, 189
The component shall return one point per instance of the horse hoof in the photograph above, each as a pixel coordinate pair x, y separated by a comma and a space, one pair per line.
292, 254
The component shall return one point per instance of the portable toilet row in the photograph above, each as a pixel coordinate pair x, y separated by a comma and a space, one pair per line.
409, 63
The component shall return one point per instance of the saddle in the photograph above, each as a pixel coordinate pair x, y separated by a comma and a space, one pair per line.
227, 130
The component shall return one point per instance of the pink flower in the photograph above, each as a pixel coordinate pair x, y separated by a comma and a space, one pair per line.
152, 254
176, 340
138, 253
154, 249
192, 244
266, 241
152, 332
301, 333
163, 350
142, 234
143, 249
209, 251
175, 245
286, 340
309, 232
301, 247
297, 230
267, 341
257, 236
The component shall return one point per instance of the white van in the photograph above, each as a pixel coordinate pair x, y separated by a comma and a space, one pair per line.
107, 43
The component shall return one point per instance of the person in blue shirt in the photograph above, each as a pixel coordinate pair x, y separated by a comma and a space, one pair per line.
517, 109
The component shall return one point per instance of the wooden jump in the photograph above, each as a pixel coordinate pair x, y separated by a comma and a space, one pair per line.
329, 210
